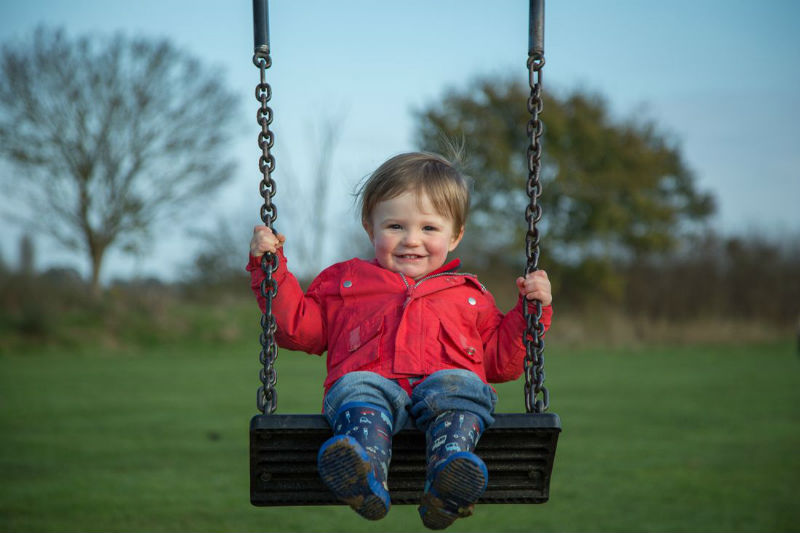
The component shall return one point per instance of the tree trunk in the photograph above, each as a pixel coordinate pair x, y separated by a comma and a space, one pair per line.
97, 261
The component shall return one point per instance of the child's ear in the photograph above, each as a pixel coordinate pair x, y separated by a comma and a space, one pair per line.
456, 240
368, 228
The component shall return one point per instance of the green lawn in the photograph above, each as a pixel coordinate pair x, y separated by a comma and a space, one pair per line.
664, 439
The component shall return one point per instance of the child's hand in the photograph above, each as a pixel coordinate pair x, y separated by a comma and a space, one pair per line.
264, 241
536, 286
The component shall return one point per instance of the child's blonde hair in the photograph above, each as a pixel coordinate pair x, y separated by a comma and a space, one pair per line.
425, 172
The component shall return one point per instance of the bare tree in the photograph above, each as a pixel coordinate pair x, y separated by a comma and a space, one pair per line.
321, 188
106, 137
222, 252
307, 207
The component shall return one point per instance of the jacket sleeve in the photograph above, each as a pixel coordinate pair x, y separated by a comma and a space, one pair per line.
504, 351
299, 316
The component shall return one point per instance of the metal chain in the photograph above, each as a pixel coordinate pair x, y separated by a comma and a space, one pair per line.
267, 395
534, 331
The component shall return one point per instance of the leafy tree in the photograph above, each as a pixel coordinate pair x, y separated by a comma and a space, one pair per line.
106, 137
612, 188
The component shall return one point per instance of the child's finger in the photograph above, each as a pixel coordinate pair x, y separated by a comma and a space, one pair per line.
539, 275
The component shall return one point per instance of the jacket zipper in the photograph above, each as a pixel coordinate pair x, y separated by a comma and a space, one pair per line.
410, 288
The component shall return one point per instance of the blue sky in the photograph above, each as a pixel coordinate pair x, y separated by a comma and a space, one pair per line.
720, 76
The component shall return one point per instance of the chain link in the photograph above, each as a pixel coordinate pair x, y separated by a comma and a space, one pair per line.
534, 331
267, 400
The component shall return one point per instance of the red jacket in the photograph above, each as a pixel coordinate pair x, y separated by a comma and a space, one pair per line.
369, 318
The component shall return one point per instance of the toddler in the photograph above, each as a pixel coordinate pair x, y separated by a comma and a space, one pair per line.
406, 335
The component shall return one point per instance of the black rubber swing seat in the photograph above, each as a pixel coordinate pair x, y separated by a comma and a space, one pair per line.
518, 449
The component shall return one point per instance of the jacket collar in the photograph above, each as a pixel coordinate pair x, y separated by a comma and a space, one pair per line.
451, 266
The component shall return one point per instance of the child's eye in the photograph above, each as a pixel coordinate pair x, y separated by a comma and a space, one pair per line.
395, 226
430, 228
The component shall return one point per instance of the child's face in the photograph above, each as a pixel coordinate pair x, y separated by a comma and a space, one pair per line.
409, 236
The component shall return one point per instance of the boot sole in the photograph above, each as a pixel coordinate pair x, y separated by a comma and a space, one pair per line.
455, 489
346, 470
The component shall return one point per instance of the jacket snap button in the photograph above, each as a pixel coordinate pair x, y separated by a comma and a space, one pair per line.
347, 284
472, 301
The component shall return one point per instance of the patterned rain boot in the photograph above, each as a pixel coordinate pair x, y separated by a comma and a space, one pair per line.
354, 463
456, 476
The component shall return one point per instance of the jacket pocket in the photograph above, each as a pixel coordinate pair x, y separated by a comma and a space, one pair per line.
457, 346
358, 348
364, 333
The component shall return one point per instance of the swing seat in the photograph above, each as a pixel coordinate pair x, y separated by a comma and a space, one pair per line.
518, 449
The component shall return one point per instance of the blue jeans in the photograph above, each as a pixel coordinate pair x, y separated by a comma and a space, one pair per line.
445, 390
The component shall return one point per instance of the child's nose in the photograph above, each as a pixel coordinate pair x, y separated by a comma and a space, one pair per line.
412, 238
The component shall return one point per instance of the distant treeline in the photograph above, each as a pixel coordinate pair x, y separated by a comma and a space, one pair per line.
738, 278
752, 280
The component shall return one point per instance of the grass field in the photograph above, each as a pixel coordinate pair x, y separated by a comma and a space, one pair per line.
661, 439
